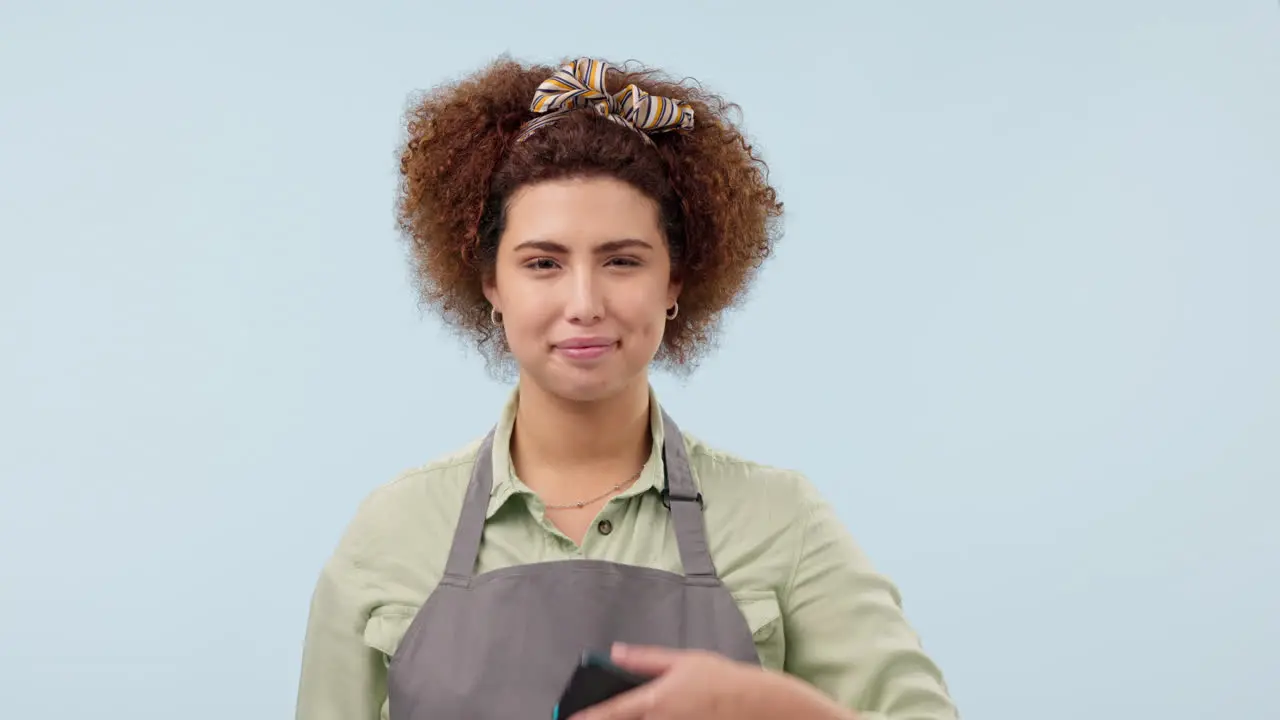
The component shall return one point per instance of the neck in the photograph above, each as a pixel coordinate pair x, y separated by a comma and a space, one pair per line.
558, 442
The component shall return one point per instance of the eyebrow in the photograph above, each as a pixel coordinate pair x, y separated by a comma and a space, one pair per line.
608, 247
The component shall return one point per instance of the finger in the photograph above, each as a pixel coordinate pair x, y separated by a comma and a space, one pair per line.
646, 660
630, 705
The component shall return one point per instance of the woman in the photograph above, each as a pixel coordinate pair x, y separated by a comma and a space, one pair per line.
584, 224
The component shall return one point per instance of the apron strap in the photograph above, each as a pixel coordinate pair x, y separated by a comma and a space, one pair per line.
475, 508
679, 493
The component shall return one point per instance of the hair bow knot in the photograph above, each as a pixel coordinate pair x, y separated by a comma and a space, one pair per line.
579, 85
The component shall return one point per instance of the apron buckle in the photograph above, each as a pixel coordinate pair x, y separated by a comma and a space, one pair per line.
667, 497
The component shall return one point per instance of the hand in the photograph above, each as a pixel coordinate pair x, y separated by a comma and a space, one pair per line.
687, 684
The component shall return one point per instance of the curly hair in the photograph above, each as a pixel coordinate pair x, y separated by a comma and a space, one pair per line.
460, 165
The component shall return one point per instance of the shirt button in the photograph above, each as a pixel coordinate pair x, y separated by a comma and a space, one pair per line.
605, 527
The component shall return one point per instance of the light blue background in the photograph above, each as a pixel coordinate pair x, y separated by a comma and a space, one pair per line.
1024, 328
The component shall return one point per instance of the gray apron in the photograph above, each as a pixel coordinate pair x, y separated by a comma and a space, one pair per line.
503, 644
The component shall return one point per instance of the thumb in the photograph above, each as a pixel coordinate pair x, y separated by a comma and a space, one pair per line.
645, 659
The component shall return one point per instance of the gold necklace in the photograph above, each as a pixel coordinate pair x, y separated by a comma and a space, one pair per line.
605, 494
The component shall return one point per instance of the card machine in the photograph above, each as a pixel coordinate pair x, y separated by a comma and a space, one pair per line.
594, 680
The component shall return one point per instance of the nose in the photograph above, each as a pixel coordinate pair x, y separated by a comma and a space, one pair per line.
585, 303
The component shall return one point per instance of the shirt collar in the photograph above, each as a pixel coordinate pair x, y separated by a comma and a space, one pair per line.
506, 485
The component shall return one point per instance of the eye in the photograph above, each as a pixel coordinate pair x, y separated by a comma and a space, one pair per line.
541, 264
624, 262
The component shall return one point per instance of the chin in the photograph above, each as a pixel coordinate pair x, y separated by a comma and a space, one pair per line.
583, 390
582, 386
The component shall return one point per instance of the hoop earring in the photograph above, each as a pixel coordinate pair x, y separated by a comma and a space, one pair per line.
673, 311
495, 317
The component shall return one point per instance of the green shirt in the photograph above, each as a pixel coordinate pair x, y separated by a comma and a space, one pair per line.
816, 607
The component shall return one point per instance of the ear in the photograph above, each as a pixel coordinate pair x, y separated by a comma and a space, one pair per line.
673, 291
488, 283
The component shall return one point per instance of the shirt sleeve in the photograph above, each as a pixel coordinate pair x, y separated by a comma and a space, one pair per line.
846, 633
342, 678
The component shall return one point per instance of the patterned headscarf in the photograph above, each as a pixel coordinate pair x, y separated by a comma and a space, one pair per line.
580, 85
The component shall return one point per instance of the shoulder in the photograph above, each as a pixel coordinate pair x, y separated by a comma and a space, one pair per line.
444, 474
745, 490
759, 517
423, 499
720, 471
393, 549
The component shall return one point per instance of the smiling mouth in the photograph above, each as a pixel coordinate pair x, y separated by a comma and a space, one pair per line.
590, 351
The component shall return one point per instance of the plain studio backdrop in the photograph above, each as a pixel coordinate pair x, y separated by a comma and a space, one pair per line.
1023, 329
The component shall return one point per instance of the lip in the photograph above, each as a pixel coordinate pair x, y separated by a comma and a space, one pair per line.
586, 348
584, 342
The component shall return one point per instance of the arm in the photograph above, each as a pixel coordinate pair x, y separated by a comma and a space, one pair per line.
342, 678
850, 653
846, 634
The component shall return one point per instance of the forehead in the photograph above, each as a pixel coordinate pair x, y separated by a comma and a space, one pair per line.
581, 212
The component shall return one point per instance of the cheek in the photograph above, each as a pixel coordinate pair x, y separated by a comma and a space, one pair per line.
531, 319
653, 337
646, 315
529, 316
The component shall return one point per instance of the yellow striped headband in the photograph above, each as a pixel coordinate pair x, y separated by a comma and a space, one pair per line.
580, 85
